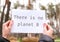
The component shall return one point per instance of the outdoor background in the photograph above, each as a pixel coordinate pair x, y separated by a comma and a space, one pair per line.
52, 10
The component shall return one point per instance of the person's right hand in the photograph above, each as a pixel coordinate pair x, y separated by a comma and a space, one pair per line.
6, 28
48, 30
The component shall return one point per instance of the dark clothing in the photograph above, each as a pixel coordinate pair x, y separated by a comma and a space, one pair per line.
3, 39
45, 38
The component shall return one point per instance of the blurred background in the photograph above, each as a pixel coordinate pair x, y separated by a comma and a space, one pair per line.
52, 11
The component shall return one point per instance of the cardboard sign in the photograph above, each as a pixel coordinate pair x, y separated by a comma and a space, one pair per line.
27, 21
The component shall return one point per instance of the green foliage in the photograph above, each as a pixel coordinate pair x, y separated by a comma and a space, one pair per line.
19, 39
16, 4
57, 40
43, 7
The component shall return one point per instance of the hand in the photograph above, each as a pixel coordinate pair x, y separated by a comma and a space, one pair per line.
6, 28
48, 30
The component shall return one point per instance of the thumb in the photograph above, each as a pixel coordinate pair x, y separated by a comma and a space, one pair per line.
45, 26
10, 24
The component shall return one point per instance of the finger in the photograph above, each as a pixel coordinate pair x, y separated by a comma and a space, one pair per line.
44, 25
5, 24
49, 27
10, 24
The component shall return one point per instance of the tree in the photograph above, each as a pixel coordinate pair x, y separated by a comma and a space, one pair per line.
51, 10
7, 2
29, 6
43, 7
16, 5
58, 16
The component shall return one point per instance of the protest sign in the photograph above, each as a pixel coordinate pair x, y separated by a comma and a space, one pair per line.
27, 21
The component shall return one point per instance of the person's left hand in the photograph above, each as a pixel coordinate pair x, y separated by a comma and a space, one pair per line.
6, 28
48, 30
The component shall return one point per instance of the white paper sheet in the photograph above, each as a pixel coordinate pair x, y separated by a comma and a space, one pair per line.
27, 21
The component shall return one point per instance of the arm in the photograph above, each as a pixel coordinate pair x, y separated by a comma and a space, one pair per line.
47, 35
2, 39
45, 38
6, 31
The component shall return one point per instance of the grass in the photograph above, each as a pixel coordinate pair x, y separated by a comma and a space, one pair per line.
57, 40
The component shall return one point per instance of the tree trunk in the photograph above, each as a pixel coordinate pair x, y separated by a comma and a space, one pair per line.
7, 14
1, 23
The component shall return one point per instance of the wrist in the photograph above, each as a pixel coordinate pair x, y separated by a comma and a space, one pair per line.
50, 35
5, 36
